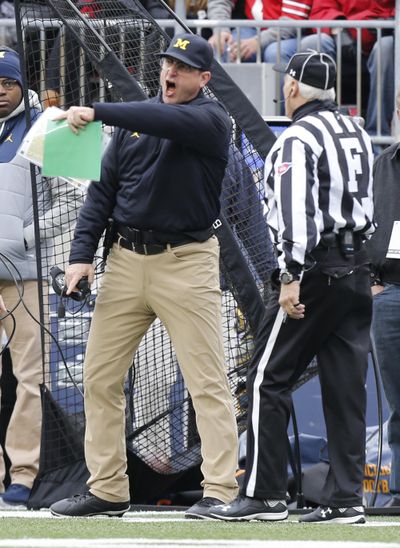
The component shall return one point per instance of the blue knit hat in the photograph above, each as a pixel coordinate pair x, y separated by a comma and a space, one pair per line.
9, 66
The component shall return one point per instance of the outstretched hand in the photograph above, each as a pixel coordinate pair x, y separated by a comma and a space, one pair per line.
77, 117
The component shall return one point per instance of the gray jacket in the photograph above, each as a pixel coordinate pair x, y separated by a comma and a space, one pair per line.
222, 10
58, 203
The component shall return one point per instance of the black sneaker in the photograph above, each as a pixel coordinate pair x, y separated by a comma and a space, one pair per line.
246, 508
328, 514
201, 510
86, 505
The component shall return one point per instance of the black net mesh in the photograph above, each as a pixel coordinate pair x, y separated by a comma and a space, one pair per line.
68, 47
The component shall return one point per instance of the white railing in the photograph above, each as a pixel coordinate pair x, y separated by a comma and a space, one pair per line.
300, 26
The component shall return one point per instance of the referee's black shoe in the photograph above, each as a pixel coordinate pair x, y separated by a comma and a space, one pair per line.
246, 508
329, 514
87, 505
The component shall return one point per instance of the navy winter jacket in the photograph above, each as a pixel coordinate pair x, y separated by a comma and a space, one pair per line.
162, 170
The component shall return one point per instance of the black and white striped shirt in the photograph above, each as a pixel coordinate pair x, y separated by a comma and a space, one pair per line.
318, 178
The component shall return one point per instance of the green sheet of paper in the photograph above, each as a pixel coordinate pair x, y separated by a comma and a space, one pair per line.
67, 154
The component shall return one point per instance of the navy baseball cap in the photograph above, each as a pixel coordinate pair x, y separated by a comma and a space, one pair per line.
190, 49
313, 68
9, 65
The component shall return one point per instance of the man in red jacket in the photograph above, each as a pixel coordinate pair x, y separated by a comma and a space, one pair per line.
357, 10
360, 10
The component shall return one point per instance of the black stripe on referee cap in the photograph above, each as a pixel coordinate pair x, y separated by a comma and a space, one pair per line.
311, 67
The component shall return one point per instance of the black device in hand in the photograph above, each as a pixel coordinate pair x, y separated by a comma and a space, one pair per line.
59, 286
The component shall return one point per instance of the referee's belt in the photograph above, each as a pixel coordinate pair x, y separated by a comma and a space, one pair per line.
150, 242
330, 239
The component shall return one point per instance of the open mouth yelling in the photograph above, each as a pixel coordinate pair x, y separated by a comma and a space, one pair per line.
170, 88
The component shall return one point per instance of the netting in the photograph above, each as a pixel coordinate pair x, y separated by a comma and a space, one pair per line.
76, 56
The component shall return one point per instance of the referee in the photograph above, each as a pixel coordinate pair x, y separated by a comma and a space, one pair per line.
318, 181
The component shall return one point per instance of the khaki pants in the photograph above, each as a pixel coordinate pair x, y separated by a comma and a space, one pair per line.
181, 287
23, 433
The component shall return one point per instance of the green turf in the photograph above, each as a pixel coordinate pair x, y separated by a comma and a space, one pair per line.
13, 528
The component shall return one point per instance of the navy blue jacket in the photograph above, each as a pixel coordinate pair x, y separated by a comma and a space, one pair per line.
162, 170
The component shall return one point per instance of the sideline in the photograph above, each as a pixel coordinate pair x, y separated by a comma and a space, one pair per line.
141, 543
159, 517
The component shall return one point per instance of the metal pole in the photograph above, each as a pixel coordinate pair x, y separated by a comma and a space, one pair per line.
358, 73
180, 10
379, 83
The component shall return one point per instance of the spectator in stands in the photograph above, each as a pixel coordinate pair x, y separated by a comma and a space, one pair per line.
161, 180
249, 43
385, 283
17, 243
326, 42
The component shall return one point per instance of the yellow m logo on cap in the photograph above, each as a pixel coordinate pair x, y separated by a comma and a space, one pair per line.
181, 44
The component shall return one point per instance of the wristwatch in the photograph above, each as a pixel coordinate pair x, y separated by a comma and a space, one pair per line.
286, 277
374, 279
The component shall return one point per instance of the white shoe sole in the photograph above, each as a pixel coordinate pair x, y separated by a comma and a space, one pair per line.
197, 516
110, 513
276, 516
351, 520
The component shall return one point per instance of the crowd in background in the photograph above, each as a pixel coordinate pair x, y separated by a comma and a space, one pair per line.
248, 44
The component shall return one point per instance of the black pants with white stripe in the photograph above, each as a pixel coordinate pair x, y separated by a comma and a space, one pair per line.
336, 328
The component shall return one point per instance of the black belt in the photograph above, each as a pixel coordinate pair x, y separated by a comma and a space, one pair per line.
148, 242
147, 249
139, 236
330, 239
330, 248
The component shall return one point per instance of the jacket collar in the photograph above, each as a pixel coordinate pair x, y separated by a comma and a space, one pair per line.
313, 106
33, 103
